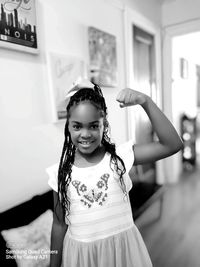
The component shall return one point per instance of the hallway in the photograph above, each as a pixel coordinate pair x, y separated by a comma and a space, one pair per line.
174, 239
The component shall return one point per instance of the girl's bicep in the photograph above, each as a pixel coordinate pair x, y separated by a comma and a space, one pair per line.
151, 152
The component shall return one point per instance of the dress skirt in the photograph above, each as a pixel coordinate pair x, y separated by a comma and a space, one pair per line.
125, 249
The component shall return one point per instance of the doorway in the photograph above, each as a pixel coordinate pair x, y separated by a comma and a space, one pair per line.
144, 74
173, 165
143, 35
186, 86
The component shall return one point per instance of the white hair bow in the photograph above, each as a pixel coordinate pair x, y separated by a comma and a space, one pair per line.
78, 85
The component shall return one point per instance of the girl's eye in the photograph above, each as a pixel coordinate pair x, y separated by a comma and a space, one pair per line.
94, 127
76, 127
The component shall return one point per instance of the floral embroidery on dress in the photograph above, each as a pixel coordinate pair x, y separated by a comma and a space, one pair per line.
97, 194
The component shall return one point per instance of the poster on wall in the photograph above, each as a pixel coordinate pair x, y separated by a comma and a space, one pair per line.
103, 57
18, 25
64, 72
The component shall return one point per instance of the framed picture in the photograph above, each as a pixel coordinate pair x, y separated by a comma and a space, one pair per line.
103, 57
64, 72
183, 68
18, 25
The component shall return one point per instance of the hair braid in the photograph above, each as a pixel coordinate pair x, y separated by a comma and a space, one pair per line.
117, 162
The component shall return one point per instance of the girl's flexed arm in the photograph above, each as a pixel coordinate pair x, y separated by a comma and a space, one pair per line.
169, 142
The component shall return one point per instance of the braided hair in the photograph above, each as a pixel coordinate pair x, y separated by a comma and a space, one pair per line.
95, 97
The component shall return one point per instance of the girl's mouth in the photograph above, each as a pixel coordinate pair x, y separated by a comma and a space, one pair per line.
85, 143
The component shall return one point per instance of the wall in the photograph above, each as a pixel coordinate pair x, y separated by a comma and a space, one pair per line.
150, 9
185, 46
178, 11
29, 140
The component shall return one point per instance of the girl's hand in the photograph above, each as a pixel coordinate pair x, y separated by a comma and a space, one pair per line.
129, 97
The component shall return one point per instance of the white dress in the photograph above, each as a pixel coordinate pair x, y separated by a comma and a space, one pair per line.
101, 231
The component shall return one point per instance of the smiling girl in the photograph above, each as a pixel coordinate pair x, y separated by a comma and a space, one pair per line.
92, 223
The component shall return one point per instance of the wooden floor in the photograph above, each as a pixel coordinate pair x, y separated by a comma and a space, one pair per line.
174, 239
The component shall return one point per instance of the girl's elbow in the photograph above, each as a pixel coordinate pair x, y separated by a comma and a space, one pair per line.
180, 145
176, 148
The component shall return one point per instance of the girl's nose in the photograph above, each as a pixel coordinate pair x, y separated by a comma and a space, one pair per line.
85, 133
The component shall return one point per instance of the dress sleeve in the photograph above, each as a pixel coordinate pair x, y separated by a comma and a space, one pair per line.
53, 176
126, 153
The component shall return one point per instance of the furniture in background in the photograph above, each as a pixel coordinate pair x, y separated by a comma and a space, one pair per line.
188, 135
145, 191
143, 195
29, 222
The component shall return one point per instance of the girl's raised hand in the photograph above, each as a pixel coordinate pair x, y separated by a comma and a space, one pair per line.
129, 97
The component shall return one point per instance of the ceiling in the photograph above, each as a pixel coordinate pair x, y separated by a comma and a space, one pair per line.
165, 1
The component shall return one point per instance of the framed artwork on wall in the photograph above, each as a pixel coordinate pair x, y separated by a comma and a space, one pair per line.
18, 28
64, 72
103, 57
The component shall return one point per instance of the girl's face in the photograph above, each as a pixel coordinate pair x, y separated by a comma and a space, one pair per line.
86, 126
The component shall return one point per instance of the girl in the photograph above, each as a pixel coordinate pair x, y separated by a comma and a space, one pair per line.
92, 222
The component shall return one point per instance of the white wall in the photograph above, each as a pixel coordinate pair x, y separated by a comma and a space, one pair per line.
29, 140
151, 9
178, 11
185, 46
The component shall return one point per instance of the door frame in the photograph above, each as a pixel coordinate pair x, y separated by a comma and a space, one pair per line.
133, 18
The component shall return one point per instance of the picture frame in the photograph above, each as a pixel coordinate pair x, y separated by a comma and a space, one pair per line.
18, 26
64, 72
103, 57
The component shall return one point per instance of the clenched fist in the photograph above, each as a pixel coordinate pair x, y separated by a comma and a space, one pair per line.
129, 97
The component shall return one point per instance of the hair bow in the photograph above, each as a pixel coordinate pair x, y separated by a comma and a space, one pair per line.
78, 85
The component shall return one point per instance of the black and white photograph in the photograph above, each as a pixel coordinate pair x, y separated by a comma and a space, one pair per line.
100, 133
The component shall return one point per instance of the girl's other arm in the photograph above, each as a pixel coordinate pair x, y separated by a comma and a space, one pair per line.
169, 142
58, 231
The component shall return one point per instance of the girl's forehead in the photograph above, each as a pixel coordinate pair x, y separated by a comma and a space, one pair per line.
85, 112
